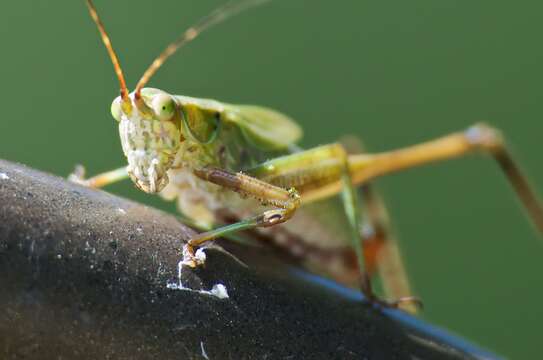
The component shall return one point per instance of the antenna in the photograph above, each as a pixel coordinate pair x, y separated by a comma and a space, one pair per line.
112, 55
217, 16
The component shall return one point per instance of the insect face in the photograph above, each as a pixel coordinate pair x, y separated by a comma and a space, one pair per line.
150, 137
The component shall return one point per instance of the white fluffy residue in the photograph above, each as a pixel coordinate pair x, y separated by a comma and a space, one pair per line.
218, 290
204, 354
4, 176
121, 211
200, 255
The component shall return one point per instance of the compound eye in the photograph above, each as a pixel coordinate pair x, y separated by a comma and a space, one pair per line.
116, 109
163, 107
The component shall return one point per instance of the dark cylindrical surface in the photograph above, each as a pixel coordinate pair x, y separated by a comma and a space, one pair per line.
85, 274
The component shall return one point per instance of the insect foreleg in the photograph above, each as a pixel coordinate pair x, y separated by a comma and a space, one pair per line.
285, 202
100, 180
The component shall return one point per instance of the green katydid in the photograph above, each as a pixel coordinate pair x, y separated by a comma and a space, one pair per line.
211, 155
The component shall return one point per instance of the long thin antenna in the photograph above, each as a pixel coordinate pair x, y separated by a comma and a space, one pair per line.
112, 54
217, 16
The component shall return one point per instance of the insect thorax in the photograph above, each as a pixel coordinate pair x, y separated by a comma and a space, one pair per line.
199, 199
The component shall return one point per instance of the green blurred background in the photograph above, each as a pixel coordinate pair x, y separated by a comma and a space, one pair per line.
394, 73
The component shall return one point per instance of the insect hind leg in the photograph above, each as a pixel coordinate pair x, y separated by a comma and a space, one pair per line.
478, 138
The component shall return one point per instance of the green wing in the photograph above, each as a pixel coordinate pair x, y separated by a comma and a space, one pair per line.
266, 128
204, 104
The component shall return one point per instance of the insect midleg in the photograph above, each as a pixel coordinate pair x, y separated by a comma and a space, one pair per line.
100, 180
351, 205
352, 210
382, 254
326, 167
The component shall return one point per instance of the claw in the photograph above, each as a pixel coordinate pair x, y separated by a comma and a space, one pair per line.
395, 304
407, 300
373, 299
192, 259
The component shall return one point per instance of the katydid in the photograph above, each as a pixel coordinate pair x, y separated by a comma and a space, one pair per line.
211, 156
